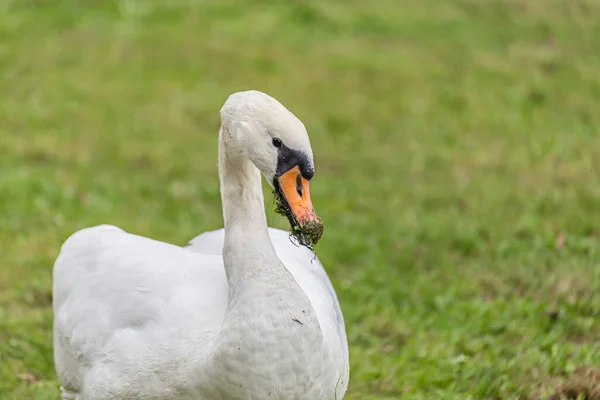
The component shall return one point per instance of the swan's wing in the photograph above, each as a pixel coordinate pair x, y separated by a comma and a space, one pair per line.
308, 271
306, 268
210, 242
118, 295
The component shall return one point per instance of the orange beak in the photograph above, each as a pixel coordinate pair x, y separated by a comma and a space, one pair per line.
297, 194
293, 195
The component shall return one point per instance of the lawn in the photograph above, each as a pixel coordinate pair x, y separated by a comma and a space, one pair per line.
457, 170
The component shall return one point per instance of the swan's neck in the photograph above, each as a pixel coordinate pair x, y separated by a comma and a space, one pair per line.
270, 341
247, 249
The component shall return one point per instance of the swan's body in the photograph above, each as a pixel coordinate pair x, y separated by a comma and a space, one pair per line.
240, 313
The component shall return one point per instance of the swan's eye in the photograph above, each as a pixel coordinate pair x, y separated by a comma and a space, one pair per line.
277, 142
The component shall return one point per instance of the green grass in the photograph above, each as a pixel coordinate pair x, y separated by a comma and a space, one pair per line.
457, 169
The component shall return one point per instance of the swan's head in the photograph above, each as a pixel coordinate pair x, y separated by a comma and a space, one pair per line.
277, 143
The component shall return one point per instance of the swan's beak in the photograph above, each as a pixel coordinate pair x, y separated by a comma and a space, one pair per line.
296, 192
293, 195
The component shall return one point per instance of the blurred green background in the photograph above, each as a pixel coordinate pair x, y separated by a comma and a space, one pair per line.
457, 165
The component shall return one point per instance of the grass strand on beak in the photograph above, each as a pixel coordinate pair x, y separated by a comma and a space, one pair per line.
307, 234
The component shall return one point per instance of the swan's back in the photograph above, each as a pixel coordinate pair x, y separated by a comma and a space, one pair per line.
126, 306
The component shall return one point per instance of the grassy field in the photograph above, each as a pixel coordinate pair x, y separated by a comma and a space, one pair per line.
457, 158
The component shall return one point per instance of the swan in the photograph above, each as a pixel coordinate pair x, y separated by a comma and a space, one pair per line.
243, 312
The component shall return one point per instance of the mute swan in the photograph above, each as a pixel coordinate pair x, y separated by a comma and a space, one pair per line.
240, 313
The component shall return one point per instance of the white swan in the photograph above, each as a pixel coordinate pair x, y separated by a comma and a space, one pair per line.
241, 313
